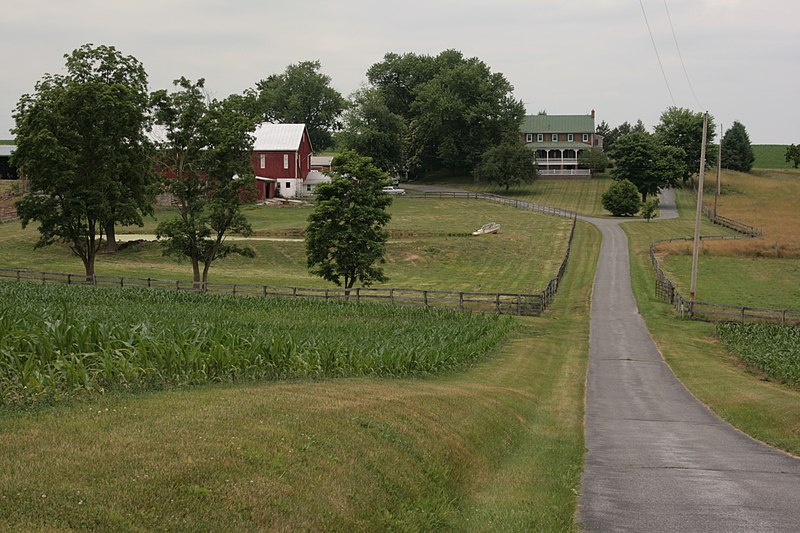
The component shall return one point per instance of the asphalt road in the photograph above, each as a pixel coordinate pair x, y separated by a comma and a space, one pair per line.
657, 459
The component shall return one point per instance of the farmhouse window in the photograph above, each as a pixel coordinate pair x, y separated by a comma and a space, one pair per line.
555, 137
263, 160
570, 137
529, 137
586, 137
540, 137
285, 161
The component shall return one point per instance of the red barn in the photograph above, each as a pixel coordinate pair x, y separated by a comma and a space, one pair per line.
281, 159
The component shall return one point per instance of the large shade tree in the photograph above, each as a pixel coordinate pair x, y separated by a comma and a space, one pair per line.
373, 130
204, 151
302, 95
647, 163
454, 108
346, 236
683, 128
509, 163
737, 153
81, 144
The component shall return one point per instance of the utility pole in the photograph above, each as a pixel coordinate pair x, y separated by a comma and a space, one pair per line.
698, 214
719, 169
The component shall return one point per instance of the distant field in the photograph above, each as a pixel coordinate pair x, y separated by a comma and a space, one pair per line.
770, 156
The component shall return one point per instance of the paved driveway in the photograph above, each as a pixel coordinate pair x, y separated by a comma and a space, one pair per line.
658, 460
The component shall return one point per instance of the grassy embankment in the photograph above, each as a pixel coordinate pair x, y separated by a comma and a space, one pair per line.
742, 395
496, 447
428, 259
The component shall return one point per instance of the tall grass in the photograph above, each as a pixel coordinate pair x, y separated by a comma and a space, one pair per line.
59, 341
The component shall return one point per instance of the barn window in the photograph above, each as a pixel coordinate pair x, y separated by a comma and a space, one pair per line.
263, 160
288, 184
285, 161
308, 188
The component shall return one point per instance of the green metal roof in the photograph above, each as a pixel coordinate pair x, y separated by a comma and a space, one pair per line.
557, 124
559, 145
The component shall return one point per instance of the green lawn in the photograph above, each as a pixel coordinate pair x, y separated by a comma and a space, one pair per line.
770, 156
490, 263
580, 195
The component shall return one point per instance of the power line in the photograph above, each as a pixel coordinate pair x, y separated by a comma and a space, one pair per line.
660, 65
685, 73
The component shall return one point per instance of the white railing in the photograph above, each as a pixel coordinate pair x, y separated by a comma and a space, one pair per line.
566, 172
556, 161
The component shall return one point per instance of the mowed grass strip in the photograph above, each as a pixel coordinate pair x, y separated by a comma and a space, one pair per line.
767, 410
522, 258
584, 196
497, 447
59, 341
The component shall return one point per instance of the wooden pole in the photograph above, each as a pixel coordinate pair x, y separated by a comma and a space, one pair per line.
698, 212
719, 170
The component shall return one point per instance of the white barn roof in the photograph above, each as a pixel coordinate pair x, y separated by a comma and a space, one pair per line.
273, 137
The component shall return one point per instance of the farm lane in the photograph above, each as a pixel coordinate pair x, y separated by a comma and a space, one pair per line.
658, 460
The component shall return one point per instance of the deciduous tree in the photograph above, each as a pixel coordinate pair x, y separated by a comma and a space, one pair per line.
81, 144
302, 95
737, 153
509, 163
455, 108
595, 159
345, 237
651, 166
204, 153
793, 154
683, 128
373, 130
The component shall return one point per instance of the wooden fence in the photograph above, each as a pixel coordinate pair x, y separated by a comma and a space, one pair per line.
499, 302
714, 312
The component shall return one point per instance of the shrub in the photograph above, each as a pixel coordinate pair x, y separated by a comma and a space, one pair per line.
622, 199
650, 208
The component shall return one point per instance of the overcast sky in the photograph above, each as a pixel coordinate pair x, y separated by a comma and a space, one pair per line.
565, 57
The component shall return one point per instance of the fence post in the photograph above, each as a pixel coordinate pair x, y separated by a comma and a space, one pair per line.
497, 302
326, 295
742, 318
265, 291
177, 285
69, 279
358, 294
18, 274
234, 289
391, 296
425, 297
461, 300
122, 281
148, 283
519, 304
783, 317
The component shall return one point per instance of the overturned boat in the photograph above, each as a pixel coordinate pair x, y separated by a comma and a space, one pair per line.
491, 227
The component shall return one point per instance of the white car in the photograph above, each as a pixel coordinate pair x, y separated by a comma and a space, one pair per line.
394, 190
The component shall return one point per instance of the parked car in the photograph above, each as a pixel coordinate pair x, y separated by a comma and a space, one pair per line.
394, 190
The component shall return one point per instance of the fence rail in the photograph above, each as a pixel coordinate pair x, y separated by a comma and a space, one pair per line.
504, 200
713, 312
735, 225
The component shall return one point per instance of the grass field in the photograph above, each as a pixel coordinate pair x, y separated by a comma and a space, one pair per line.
760, 272
427, 261
770, 156
581, 196
497, 447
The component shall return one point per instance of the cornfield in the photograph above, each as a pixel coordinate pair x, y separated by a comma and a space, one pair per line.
772, 349
59, 342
